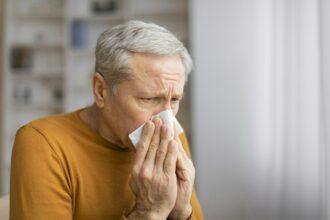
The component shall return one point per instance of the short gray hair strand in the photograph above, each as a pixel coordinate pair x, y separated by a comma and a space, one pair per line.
115, 47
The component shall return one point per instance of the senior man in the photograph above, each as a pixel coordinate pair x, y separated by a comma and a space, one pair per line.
82, 164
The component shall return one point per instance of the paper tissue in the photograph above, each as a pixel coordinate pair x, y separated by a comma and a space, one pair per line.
167, 117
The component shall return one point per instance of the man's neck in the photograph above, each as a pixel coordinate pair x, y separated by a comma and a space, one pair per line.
87, 115
91, 117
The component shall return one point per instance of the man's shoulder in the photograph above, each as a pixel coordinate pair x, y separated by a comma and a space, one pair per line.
53, 122
52, 125
49, 132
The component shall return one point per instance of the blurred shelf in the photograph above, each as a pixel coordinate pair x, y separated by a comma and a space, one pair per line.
28, 75
81, 52
47, 107
116, 16
53, 15
40, 46
161, 14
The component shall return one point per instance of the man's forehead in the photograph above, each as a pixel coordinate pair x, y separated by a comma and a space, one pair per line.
177, 92
146, 66
158, 74
158, 86
146, 72
160, 89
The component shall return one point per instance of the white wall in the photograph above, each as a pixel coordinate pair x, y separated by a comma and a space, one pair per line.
259, 140
325, 68
229, 67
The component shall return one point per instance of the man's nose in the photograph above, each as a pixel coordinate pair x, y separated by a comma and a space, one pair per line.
167, 104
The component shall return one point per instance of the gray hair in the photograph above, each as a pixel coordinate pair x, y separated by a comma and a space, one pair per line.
115, 47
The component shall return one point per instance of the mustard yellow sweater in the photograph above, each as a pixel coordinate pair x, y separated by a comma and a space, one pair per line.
61, 169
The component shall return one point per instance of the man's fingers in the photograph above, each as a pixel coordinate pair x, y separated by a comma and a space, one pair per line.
180, 160
143, 144
162, 149
180, 163
150, 157
171, 158
181, 150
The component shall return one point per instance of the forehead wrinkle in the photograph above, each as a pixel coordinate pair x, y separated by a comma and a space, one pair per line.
169, 86
167, 92
158, 83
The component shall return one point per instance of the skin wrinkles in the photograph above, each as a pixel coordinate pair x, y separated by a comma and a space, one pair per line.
157, 84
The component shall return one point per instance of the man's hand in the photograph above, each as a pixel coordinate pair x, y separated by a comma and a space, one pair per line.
154, 180
185, 171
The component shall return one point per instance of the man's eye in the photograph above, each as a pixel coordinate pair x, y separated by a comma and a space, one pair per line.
157, 99
154, 99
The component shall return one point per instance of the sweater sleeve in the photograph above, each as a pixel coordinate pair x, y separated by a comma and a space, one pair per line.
197, 213
38, 187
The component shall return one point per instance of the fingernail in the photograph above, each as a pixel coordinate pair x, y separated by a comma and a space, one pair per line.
156, 121
148, 124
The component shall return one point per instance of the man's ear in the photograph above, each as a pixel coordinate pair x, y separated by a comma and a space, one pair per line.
99, 89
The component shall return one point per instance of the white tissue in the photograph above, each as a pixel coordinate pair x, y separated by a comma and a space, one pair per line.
167, 117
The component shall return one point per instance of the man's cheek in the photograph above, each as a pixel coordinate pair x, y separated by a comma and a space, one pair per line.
141, 118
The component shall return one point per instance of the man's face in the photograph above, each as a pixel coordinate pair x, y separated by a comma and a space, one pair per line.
157, 85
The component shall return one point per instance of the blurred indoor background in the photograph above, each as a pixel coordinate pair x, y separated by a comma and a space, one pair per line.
256, 109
